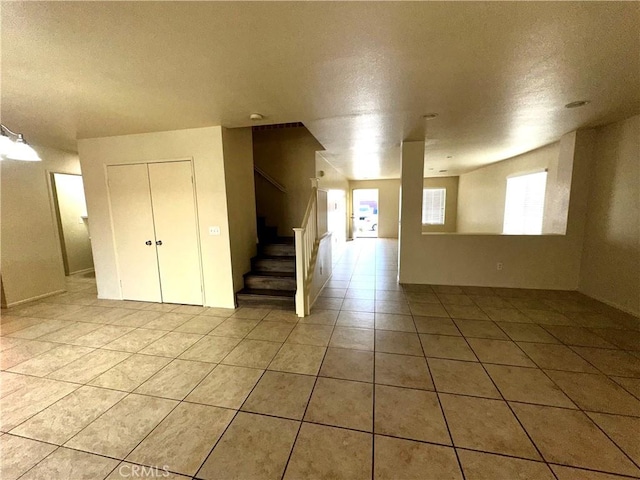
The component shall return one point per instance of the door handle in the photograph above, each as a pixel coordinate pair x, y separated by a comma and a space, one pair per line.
148, 242
159, 242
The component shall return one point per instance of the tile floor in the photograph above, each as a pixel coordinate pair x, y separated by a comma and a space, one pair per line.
381, 381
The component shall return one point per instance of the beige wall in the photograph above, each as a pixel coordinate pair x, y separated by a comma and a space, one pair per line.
482, 192
289, 156
337, 186
73, 228
451, 203
542, 261
611, 257
205, 147
388, 204
328, 177
31, 257
241, 201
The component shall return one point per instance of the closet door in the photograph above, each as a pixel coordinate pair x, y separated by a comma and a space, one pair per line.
132, 217
174, 214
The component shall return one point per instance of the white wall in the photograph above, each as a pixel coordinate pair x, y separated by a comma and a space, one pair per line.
31, 257
611, 257
542, 261
323, 268
73, 228
205, 147
337, 187
241, 200
482, 192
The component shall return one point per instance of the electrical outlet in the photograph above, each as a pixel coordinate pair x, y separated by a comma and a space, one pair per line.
214, 230
499, 265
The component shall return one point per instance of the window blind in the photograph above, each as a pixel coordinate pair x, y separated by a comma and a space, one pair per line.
433, 205
524, 204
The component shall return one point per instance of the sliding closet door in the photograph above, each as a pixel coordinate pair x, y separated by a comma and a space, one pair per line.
174, 213
133, 230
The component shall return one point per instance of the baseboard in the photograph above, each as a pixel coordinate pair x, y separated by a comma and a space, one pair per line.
611, 304
33, 299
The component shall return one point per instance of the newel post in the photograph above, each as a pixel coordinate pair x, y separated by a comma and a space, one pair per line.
301, 297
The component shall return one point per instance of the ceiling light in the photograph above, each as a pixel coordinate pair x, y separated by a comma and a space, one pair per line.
256, 116
14, 147
430, 116
577, 103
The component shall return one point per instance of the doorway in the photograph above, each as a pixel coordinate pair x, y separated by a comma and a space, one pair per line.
365, 213
73, 228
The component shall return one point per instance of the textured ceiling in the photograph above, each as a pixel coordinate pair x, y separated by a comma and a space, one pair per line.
359, 75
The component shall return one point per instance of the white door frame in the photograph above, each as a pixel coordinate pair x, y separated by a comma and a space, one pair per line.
196, 212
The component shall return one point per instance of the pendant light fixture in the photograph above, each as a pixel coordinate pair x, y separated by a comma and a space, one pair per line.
13, 146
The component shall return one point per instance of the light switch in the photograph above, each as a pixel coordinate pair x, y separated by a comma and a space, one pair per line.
214, 230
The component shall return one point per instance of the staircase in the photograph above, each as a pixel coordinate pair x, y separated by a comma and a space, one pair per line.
272, 279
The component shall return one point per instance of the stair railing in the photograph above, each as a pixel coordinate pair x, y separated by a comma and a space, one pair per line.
306, 242
269, 179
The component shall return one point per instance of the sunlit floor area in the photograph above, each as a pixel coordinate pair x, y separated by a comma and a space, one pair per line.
381, 381
365, 230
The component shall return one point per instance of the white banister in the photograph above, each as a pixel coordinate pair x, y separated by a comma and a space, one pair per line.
306, 242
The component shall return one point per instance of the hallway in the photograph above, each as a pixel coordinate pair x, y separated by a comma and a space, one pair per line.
380, 381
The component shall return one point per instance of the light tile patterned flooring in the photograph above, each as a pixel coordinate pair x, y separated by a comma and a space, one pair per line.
381, 381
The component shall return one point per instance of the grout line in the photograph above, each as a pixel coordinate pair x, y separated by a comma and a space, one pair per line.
373, 393
304, 414
215, 444
104, 413
625, 388
357, 431
354, 271
140, 352
507, 403
444, 417
584, 412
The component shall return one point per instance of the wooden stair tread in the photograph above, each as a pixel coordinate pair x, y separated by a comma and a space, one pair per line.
284, 240
288, 258
272, 278
267, 293
277, 250
270, 274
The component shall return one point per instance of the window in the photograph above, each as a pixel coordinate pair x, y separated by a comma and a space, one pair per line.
433, 203
524, 205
